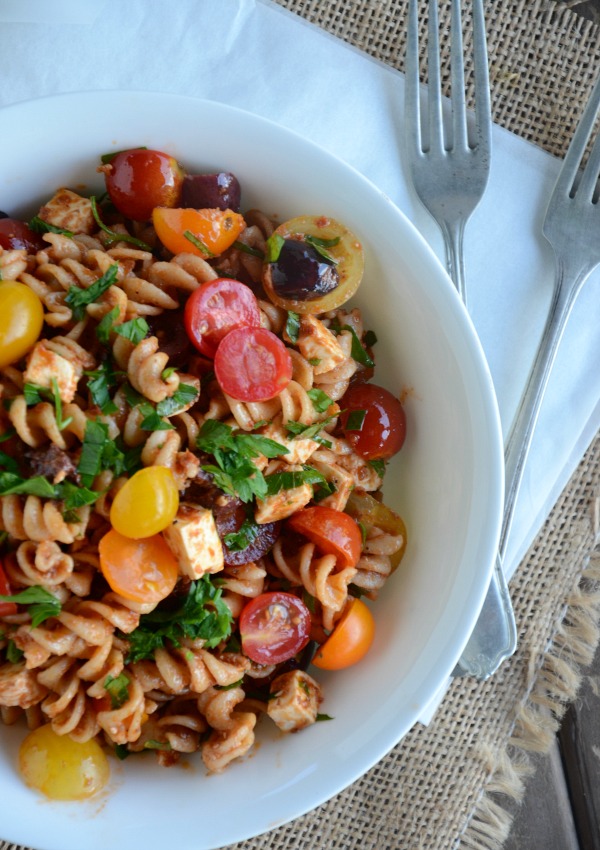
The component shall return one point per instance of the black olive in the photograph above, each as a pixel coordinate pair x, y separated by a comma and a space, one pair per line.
301, 273
211, 191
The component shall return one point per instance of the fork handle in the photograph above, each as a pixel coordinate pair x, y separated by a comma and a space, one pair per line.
453, 232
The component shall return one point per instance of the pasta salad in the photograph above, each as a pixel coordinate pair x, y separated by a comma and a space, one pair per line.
192, 450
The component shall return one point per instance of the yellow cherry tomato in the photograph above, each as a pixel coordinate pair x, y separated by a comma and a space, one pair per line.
373, 514
61, 768
142, 570
350, 640
146, 504
203, 232
21, 320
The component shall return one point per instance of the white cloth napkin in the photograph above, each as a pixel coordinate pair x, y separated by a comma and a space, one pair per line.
254, 55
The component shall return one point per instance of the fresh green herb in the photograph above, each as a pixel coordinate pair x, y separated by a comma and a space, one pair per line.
7, 435
246, 249
363, 531
241, 539
34, 394
321, 717
378, 466
135, 330
274, 244
184, 395
166, 373
117, 688
322, 490
355, 421
305, 687
314, 361
197, 243
203, 615
152, 744
92, 450
9, 463
309, 601
292, 326
308, 432
290, 479
229, 687
152, 420
122, 751
357, 350
234, 471
320, 400
78, 299
38, 225
42, 604
13, 653
369, 339
106, 324
113, 236
75, 497
61, 423
321, 245
11, 484
233, 644
108, 157
100, 382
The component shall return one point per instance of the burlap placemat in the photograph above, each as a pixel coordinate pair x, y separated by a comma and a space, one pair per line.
444, 786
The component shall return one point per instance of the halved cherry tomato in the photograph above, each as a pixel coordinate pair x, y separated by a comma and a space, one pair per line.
143, 570
17, 234
373, 514
61, 768
209, 232
350, 640
382, 429
252, 364
146, 503
217, 307
333, 532
341, 246
274, 627
6, 607
21, 320
139, 180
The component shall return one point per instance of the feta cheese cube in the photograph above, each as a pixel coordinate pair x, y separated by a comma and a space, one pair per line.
70, 211
193, 539
283, 504
297, 700
319, 345
299, 448
43, 365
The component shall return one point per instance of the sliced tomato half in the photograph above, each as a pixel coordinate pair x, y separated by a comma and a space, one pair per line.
252, 364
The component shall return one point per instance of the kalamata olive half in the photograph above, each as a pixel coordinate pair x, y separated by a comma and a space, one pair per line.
169, 329
301, 273
211, 191
229, 518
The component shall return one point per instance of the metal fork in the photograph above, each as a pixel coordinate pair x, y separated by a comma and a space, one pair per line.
450, 174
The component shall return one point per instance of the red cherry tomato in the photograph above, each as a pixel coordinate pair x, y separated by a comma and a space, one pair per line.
333, 532
350, 640
139, 180
382, 430
252, 364
6, 607
16, 234
217, 307
274, 627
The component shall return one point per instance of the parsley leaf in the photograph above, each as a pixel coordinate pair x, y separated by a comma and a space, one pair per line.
113, 236
42, 603
183, 395
378, 466
357, 351
99, 384
320, 246
38, 225
292, 326
13, 653
308, 432
274, 244
197, 243
11, 484
203, 614
117, 688
241, 539
355, 420
106, 324
247, 249
289, 479
78, 299
320, 400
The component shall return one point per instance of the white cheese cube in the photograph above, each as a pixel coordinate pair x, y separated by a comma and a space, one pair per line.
283, 504
297, 700
193, 539
70, 211
319, 345
44, 365
299, 448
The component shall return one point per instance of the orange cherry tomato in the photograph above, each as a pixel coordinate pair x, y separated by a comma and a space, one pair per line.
6, 607
209, 232
142, 570
146, 503
333, 532
350, 640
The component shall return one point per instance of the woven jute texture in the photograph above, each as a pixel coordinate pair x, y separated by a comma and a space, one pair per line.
445, 786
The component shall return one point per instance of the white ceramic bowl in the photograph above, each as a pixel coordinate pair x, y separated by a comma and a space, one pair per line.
447, 482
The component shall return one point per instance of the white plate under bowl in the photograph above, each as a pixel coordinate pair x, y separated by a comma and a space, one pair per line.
447, 481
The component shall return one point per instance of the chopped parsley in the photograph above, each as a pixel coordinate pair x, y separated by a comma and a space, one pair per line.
42, 604
355, 420
113, 236
100, 382
358, 352
241, 539
308, 432
292, 326
153, 416
78, 298
321, 245
117, 688
246, 249
197, 243
233, 451
203, 614
289, 479
274, 244
34, 394
38, 225
378, 466
320, 400
13, 653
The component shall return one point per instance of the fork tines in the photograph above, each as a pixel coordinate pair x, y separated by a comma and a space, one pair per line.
438, 138
570, 181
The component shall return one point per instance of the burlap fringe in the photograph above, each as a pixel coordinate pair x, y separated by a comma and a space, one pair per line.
553, 686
